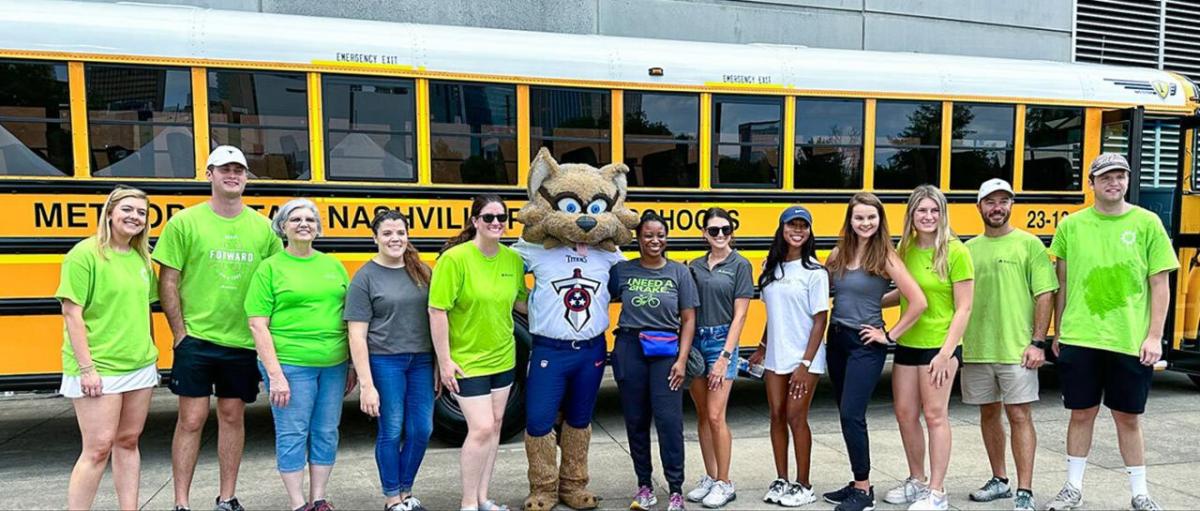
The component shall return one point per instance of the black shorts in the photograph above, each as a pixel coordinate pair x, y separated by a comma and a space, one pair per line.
483, 385
1087, 374
203, 368
906, 356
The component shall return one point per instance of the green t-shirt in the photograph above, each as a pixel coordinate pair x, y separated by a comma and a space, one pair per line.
1109, 259
1010, 272
477, 292
115, 293
304, 298
216, 257
930, 329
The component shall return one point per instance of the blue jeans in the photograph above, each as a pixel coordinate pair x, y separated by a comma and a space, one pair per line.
711, 341
563, 375
306, 430
405, 385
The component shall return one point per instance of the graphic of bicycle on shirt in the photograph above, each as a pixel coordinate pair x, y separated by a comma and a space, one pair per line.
645, 301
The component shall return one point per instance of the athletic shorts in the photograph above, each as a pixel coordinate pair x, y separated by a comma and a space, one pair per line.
1089, 375
1011, 384
203, 368
906, 356
476, 386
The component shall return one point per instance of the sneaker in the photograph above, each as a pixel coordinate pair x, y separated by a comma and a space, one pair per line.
181, 508
1023, 501
722, 493
644, 499
1144, 503
932, 501
411, 503
1069, 497
857, 500
702, 488
838, 496
775, 491
304, 507
993, 489
911, 490
228, 505
797, 495
675, 503
322, 505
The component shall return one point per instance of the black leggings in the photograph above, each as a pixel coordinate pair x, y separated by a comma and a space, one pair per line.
854, 368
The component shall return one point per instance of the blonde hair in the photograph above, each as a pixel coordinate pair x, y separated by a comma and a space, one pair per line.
942, 235
140, 242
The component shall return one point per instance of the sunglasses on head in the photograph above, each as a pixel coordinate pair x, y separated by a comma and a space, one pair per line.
724, 229
489, 217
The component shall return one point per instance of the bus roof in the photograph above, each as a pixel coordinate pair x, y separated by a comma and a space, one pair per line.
190, 35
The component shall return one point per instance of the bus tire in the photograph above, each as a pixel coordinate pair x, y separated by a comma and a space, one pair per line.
1195, 379
450, 426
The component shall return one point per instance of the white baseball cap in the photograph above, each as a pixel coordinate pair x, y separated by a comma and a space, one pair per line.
994, 185
226, 154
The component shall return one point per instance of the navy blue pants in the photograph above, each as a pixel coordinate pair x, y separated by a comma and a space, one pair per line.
563, 375
854, 368
645, 395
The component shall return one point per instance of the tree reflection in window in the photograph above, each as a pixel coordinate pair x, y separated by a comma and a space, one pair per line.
908, 143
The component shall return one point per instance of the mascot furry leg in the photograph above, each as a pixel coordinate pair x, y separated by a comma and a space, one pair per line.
542, 452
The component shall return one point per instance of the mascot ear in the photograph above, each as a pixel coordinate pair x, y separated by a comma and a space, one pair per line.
543, 167
615, 172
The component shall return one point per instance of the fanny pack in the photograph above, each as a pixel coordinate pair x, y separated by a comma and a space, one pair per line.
658, 343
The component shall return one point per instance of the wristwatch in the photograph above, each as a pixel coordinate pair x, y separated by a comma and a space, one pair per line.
727, 354
1039, 344
806, 363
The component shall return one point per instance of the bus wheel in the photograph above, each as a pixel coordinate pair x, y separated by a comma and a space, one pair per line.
1195, 379
450, 426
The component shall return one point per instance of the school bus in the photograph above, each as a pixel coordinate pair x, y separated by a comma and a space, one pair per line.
361, 115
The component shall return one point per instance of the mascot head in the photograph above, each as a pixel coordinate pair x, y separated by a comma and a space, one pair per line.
575, 203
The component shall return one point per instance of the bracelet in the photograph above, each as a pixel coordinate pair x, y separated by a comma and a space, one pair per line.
83, 369
888, 335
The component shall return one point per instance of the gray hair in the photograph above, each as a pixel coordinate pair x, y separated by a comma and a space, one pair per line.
284, 212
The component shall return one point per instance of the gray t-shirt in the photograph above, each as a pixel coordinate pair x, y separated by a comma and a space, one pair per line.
857, 298
728, 280
394, 307
652, 299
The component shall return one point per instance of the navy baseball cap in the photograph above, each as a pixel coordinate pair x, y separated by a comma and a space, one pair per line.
794, 212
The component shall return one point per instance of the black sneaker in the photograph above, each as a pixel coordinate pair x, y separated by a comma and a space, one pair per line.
836, 497
858, 500
228, 505
180, 508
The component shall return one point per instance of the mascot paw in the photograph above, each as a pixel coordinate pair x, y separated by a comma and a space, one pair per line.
541, 502
580, 499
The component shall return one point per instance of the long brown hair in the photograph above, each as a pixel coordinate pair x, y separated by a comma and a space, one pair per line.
468, 233
879, 246
140, 242
417, 270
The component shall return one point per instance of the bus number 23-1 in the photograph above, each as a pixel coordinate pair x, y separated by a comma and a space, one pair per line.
1038, 218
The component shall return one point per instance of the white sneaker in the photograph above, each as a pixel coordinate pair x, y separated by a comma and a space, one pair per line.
911, 490
1069, 497
702, 489
932, 501
722, 493
797, 495
1144, 503
775, 491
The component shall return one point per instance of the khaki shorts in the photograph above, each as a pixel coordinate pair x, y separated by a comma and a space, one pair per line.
992, 383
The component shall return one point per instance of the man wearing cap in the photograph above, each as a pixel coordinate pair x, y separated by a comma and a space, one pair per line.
1004, 343
207, 254
1113, 262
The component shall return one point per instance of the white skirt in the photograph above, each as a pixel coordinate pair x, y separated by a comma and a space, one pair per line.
144, 378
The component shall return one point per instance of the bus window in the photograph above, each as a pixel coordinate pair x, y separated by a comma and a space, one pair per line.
747, 141
473, 131
662, 139
265, 114
140, 121
907, 144
1053, 148
370, 128
35, 120
982, 144
829, 141
575, 124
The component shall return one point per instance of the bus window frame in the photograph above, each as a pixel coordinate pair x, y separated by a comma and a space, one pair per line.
306, 176
601, 156
715, 143
69, 121
861, 146
515, 136
1010, 147
1082, 151
329, 175
189, 123
939, 147
693, 144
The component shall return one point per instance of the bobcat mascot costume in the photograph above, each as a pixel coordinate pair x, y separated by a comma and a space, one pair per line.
574, 221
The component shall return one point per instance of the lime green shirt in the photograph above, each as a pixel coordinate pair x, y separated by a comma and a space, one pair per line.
216, 257
304, 298
477, 292
1010, 272
1109, 260
931, 328
115, 292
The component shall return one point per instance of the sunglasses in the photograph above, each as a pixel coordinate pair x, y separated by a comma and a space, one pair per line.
724, 229
489, 218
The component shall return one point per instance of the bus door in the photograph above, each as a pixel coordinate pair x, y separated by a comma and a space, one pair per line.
1184, 352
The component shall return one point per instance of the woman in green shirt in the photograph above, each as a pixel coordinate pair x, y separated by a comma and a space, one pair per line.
294, 305
108, 353
929, 354
470, 319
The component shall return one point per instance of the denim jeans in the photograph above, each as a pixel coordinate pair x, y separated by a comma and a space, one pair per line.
306, 430
405, 385
711, 342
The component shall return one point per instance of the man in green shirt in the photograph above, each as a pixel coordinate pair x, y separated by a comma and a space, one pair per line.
207, 254
1113, 262
1004, 343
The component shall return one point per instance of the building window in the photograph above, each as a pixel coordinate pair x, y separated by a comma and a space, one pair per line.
370, 128
574, 124
473, 133
982, 144
747, 141
265, 114
140, 121
829, 140
1053, 148
662, 139
908, 138
35, 119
